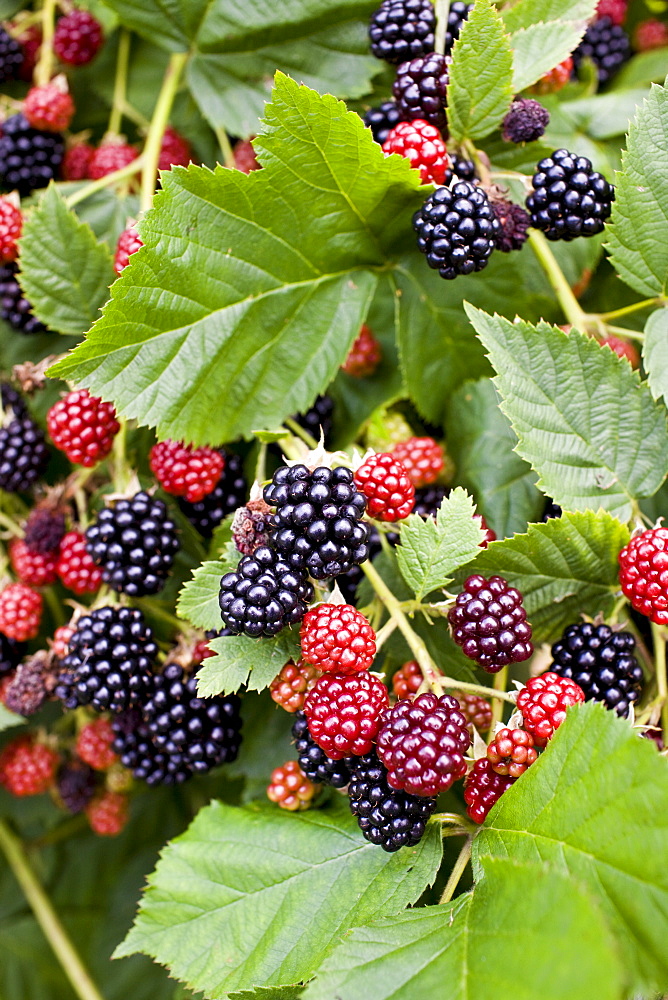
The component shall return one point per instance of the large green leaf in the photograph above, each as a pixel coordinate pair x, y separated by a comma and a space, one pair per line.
579, 413
595, 805
172, 24
473, 949
564, 568
255, 897
638, 242
241, 660
655, 353
251, 289
524, 13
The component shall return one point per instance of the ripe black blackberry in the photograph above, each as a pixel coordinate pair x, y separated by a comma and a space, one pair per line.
313, 760
14, 306
457, 14
109, 661
457, 229
607, 45
318, 523
76, 783
320, 415
381, 120
463, 170
11, 57
135, 543
12, 400
402, 29
601, 662
569, 198
263, 594
387, 818
228, 494
552, 509
138, 752
11, 653
419, 89
205, 733
29, 157
44, 530
428, 500
23, 453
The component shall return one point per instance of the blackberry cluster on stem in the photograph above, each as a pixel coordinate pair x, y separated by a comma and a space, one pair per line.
601, 661
263, 594
388, 818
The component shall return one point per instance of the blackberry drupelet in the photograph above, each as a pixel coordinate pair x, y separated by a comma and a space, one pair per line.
29, 157
601, 662
420, 88
428, 500
11, 653
109, 661
320, 415
569, 198
489, 622
457, 229
76, 783
14, 306
135, 543
607, 45
318, 524
263, 594
387, 818
138, 752
226, 496
11, 57
313, 760
463, 170
381, 120
402, 29
23, 454
205, 732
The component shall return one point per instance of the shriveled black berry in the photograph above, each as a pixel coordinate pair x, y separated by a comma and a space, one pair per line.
23, 453
514, 222
419, 89
76, 783
109, 661
29, 157
11, 653
313, 760
319, 417
263, 594
27, 691
228, 494
318, 523
135, 543
601, 661
386, 817
489, 622
428, 500
11, 57
402, 29
463, 170
137, 751
14, 306
526, 121
569, 197
607, 45
44, 530
382, 120
456, 229
205, 731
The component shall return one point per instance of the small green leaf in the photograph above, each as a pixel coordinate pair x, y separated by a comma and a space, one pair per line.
480, 88
540, 47
564, 568
65, 272
655, 353
198, 600
578, 412
269, 993
241, 660
432, 549
9, 719
254, 897
638, 233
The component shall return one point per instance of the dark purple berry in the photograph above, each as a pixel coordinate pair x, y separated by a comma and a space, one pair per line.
29, 158
14, 306
489, 622
526, 121
387, 818
419, 89
402, 29
381, 120
607, 45
514, 222
264, 594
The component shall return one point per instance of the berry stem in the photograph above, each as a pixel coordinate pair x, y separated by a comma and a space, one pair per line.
47, 918
120, 81
55, 605
442, 11
161, 113
297, 429
10, 525
44, 67
624, 331
569, 304
660, 300
500, 684
385, 632
457, 872
104, 182
659, 637
225, 148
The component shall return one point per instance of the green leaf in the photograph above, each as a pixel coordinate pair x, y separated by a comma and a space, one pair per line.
198, 601
241, 660
65, 272
594, 806
270, 993
655, 353
9, 719
527, 12
481, 445
253, 897
540, 47
172, 25
643, 69
579, 413
638, 243
276, 268
471, 950
480, 88
564, 568
432, 549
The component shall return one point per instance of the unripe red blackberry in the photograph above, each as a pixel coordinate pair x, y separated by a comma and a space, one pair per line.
290, 788
511, 752
61, 640
30, 158
313, 760
407, 680
650, 34
387, 487
477, 710
263, 595
344, 713
290, 687
422, 743
421, 144
31, 567
402, 29
569, 197
76, 569
601, 662
76, 784
128, 243
643, 574
420, 89
83, 426
20, 612
388, 818
175, 151
15, 308
489, 622
77, 160
95, 744
337, 638
365, 355
11, 224
109, 157
108, 814
490, 536
616, 10
228, 494
457, 229
27, 767
622, 348
421, 457
50, 107
381, 120
77, 38
27, 691
483, 789
556, 79
245, 159
525, 122
184, 470
543, 702
23, 453
607, 45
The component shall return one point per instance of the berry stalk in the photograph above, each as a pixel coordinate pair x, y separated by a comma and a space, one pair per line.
161, 113
120, 81
297, 429
660, 300
442, 11
659, 637
225, 148
569, 304
44, 67
457, 872
500, 684
104, 182
47, 918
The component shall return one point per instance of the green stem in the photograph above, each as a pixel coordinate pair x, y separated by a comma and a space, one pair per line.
47, 918
150, 608
225, 148
161, 113
10, 525
659, 637
634, 307
624, 331
500, 684
570, 305
44, 67
135, 116
300, 432
261, 464
119, 459
289, 448
104, 182
120, 81
442, 11
457, 871
55, 607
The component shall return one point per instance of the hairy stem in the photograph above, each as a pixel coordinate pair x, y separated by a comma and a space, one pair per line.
500, 684
44, 67
457, 871
120, 81
225, 148
634, 307
47, 918
161, 113
569, 304
442, 11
